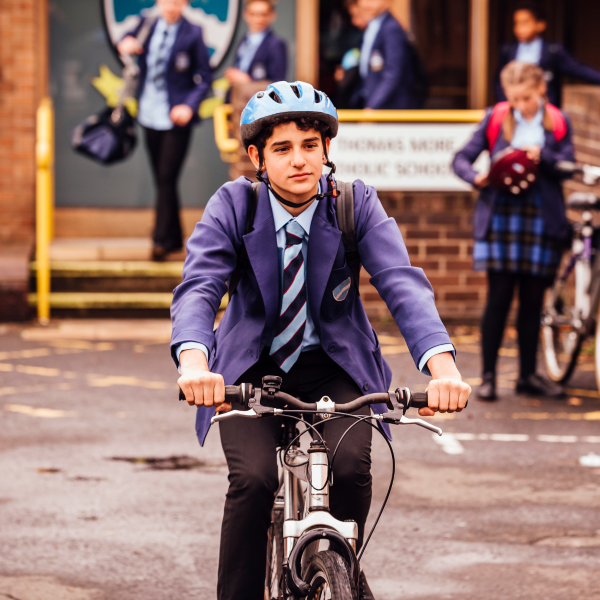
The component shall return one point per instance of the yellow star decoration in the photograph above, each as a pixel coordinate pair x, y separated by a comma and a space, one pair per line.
110, 85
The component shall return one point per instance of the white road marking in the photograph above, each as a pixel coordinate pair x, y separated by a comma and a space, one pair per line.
564, 439
451, 442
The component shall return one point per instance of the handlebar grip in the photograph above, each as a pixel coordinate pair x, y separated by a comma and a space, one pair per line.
418, 400
234, 393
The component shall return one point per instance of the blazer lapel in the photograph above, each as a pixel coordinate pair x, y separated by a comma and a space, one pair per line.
261, 245
323, 245
179, 44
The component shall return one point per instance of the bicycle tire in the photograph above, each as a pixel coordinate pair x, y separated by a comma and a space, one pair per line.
562, 332
327, 574
274, 571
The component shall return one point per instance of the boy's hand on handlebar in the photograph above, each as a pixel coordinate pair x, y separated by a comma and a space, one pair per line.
447, 392
199, 385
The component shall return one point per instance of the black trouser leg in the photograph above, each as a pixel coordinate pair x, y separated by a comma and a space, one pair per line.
167, 151
249, 447
531, 301
501, 288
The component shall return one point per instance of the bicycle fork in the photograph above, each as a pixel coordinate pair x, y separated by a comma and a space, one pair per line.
318, 524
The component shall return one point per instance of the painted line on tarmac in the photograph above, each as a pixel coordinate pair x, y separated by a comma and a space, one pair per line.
451, 442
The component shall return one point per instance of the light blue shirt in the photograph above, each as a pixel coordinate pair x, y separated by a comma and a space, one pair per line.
248, 49
311, 340
367, 44
154, 106
529, 133
530, 52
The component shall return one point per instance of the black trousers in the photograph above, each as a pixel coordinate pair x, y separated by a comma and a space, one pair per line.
500, 295
249, 447
167, 151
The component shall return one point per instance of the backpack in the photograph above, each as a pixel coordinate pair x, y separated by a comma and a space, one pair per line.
499, 112
420, 79
345, 218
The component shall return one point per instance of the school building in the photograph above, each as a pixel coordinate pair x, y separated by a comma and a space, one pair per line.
102, 216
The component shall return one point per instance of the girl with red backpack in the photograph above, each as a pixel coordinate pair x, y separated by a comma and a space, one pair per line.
519, 223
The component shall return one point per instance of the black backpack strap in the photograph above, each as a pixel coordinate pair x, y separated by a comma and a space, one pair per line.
243, 262
345, 218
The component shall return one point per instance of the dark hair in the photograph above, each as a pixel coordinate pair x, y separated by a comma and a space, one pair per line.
303, 124
538, 12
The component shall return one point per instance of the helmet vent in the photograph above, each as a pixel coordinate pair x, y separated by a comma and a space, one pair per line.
296, 90
275, 96
317, 97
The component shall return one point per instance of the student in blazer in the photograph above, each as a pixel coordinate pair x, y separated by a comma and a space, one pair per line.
518, 238
174, 78
260, 55
297, 314
386, 78
529, 27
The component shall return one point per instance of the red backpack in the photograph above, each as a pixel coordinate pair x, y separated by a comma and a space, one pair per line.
499, 112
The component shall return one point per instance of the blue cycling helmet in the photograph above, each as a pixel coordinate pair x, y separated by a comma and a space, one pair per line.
298, 99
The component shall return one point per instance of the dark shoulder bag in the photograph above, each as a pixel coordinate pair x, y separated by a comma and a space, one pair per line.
109, 136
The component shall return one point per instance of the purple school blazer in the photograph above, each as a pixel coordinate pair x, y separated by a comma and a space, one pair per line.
248, 325
549, 180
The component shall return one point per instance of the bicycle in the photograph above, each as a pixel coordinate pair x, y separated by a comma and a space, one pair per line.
298, 563
571, 307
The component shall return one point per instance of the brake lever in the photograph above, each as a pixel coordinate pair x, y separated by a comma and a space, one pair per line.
397, 418
254, 413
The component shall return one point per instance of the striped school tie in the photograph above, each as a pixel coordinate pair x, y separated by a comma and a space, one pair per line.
287, 344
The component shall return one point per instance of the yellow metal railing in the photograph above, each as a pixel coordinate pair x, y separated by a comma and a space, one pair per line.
230, 147
44, 201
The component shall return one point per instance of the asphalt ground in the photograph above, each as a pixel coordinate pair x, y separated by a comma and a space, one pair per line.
91, 506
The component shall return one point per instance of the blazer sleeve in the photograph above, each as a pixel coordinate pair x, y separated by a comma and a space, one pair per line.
202, 75
464, 159
568, 65
394, 70
277, 65
404, 288
211, 258
563, 150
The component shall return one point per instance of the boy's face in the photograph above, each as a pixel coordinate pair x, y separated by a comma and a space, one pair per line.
293, 159
171, 10
526, 27
525, 97
258, 15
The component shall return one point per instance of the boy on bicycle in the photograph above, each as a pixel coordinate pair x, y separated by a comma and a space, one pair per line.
296, 313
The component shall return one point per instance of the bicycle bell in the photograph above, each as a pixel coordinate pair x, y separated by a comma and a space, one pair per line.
513, 171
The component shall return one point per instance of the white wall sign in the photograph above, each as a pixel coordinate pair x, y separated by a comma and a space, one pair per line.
401, 156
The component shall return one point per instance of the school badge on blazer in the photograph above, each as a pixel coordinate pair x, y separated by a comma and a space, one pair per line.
217, 18
182, 62
376, 62
340, 292
259, 71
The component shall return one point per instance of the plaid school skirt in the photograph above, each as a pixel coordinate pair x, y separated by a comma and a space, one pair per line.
516, 242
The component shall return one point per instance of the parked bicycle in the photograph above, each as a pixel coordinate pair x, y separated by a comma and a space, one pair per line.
571, 311
310, 553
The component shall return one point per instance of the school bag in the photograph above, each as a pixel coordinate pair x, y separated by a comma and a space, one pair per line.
499, 112
345, 217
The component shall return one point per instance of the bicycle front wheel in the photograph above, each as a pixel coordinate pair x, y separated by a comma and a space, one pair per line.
328, 577
274, 573
565, 311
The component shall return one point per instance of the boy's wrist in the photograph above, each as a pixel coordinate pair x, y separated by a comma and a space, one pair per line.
193, 359
442, 366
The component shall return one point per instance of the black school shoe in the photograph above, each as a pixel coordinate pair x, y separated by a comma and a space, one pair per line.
487, 390
364, 591
534, 385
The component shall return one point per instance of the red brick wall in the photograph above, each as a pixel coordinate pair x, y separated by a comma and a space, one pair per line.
438, 234
18, 99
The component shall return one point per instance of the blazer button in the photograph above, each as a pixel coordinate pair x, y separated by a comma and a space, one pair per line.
366, 386
250, 353
332, 347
